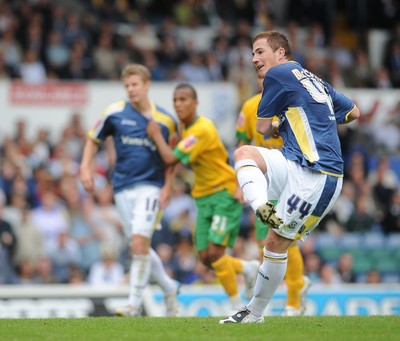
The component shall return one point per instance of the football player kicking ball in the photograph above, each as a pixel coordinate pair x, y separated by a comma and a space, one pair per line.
246, 133
215, 191
305, 176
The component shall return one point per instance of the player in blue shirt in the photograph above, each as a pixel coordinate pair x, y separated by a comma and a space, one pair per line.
304, 177
141, 182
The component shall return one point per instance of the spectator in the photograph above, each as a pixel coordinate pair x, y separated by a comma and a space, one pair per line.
186, 260
360, 220
11, 50
105, 217
8, 242
104, 58
41, 149
57, 53
25, 273
63, 253
44, 272
345, 268
76, 275
51, 219
384, 183
30, 239
329, 275
373, 277
193, 70
82, 230
106, 271
32, 69
312, 266
391, 218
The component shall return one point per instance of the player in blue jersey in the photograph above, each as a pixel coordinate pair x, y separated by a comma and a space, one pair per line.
305, 176
141, 182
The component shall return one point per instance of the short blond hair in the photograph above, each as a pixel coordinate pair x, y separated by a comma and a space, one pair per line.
136, 69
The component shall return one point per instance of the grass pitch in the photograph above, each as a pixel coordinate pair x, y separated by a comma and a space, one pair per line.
305, 328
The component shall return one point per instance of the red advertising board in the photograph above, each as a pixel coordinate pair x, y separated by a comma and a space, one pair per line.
57, 94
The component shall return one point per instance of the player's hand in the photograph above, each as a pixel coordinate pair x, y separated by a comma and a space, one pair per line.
275, 132
153, 129
87, 179
165, 197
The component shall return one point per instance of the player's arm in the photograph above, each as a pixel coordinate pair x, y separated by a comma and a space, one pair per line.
85, 173
353, 115
345, 109
267, 127
166, 190
271, 103
165, 151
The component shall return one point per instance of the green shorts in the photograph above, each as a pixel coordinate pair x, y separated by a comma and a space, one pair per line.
218, 220
261, 229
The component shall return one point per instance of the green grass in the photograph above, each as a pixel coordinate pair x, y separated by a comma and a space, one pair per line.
323, 328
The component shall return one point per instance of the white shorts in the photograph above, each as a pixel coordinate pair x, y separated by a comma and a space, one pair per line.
304, 196
139, 207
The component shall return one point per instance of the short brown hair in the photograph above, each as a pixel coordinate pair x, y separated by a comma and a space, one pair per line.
136, 69
276, 40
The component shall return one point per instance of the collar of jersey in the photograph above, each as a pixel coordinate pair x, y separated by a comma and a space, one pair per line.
193, 122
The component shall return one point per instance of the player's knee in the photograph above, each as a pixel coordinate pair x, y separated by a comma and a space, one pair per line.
203, 258
140, 245
277, 243
215, 254
244, 152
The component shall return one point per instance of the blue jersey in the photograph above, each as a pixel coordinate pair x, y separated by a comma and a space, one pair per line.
309, 110
137, 160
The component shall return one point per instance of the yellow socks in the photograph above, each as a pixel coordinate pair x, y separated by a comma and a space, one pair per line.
225, 272
294, 276
236, 263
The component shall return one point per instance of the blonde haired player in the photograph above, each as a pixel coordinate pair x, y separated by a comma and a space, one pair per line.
246, 133
142, 184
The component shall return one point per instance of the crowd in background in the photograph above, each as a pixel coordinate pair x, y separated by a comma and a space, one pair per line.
195, 40
51, 231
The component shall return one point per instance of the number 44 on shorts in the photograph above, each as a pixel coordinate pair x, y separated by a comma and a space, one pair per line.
296, 203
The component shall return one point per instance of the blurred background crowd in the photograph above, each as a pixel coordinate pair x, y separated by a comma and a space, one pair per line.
51, 231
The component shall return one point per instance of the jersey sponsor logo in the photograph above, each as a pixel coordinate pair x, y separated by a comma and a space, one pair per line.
189, 141
135, 141
128, 122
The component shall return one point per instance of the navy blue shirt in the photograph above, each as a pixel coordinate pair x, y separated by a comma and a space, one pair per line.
309, 110
138, 160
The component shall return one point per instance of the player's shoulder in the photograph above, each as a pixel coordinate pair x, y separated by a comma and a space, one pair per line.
202, 126
203, 121
114, 108
160, 110
279, 70
165, 118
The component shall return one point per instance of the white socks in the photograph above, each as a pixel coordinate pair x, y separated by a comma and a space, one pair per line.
252, 182
158, 274
144, 267
271, 274
139, 278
